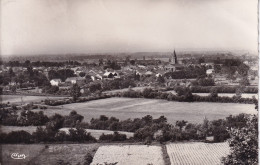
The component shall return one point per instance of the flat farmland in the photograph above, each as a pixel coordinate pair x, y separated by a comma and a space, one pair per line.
52, 154
197, 153
8, 129
129, 155
97, 133
124, 90
124, 108
18, 99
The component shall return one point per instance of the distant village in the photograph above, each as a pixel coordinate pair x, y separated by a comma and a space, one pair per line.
36, 77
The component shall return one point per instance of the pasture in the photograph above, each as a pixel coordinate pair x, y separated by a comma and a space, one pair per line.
97, 133
124, 108
197, 153
8, 129
22, 99
47, 154
129, 155
124, 90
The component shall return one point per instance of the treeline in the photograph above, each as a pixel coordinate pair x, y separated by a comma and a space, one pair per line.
30, 118
79, 100
220, 89
24, 79
41, 63
47, 135
62, 74
183, 95
51, 131
146, 129
117, 84
203, 82
187, 73
224, 89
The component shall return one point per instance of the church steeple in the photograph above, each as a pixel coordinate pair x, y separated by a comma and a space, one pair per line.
174, 58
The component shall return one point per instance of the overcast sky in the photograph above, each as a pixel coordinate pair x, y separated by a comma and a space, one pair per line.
88, 26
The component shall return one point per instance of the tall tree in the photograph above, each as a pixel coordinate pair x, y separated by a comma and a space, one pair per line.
75, 92
244, 144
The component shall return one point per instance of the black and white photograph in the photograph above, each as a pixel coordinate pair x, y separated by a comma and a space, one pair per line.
129, 82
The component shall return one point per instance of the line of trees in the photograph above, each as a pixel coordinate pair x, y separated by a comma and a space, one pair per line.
146, 129
187, 73
30, 118
220, 89
184, 94
41, 63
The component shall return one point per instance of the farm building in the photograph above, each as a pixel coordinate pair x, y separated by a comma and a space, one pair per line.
55, 82
210, 71
75, 80
111, 75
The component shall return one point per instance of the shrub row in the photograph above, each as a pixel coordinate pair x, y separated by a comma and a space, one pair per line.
220, 89
41, 135
79, 100
145, 130
187, 96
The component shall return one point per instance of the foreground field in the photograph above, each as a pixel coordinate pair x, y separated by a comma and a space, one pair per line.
124, 108
197, 153
129, 155
47, 154
19, 99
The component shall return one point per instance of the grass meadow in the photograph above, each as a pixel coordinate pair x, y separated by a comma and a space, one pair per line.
124, 108
19, 99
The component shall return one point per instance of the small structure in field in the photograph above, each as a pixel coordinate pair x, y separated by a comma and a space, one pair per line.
75, 80
55, 82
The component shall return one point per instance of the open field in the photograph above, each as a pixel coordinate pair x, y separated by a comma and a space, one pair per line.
97, 133
129, 155
124, 108
197, 153
125, 89
8, 129
94, 133
19, 99
39, 154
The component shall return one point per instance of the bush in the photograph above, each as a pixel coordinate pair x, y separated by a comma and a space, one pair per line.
113, 137
143, 133
18, 137
88, 159
80, 135
213, 92
72, 120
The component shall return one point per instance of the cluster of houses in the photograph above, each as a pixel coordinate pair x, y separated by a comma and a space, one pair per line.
143, 68
97, 73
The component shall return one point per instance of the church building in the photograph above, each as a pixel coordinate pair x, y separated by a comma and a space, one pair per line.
174, 64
